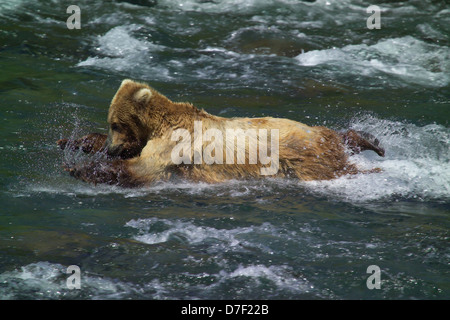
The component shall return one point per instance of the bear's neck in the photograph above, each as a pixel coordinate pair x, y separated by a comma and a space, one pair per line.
178, 115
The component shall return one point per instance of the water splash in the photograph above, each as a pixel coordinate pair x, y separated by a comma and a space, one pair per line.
416, 166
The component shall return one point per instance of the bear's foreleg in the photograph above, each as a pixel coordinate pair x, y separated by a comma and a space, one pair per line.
359, 141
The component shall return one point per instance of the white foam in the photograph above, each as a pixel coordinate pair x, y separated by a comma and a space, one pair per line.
119, 50
216, 6
119, 42
279, 275
150, 232
73, 189
409, 58
416, 165
45, 280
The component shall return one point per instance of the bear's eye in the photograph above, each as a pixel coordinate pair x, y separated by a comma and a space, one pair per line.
115, 127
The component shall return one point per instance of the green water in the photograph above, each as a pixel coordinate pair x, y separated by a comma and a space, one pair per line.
314, 62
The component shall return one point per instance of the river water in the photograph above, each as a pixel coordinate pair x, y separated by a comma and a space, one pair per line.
314, 62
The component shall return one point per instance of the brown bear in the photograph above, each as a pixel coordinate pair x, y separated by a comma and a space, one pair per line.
154, 139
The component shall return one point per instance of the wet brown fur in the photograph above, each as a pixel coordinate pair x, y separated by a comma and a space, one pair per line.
139, 143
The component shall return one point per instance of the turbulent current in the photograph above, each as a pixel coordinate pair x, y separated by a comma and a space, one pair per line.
315, 62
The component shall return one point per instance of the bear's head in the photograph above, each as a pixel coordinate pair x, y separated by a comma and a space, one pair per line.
139, 113
130, 123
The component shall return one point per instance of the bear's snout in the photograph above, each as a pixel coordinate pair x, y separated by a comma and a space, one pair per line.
123, 151
114, 151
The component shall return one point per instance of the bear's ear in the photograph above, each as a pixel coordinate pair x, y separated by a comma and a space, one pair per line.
143, 95
126, 81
